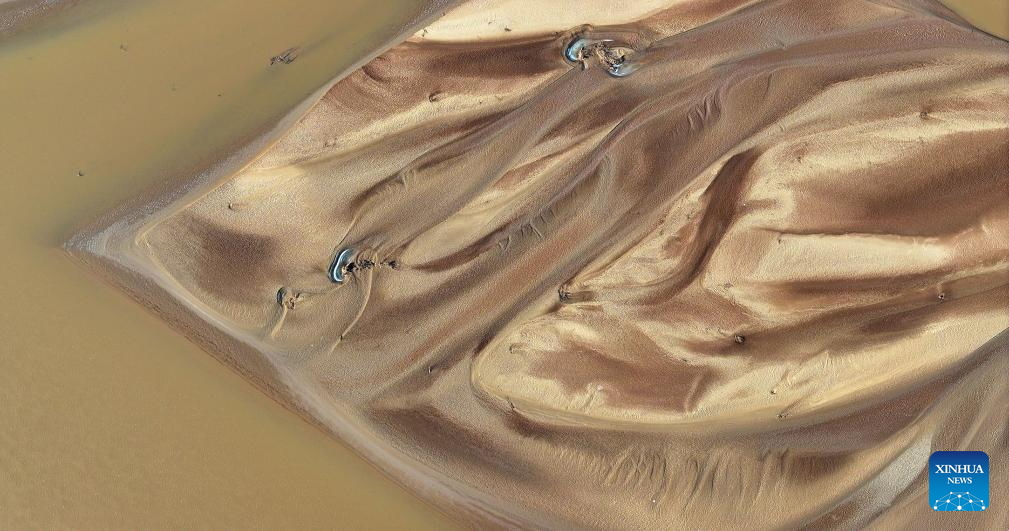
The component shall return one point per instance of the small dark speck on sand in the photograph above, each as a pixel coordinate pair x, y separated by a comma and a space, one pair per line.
507, 28
80, 173
123, 47
740, 339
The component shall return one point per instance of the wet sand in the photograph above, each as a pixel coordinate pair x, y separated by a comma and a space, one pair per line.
697, 263
111, 419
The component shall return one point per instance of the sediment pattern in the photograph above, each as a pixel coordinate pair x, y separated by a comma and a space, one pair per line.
731, 262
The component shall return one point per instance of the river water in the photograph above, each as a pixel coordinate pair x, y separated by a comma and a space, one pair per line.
108, 417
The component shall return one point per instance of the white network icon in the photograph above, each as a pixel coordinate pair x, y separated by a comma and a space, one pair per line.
960, 500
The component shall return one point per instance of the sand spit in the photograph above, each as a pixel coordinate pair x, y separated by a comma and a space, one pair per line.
717, 265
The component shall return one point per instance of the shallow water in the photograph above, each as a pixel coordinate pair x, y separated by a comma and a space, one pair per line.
989, 15
110, 418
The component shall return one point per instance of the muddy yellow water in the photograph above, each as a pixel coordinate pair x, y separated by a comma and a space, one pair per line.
989, 15
108, 418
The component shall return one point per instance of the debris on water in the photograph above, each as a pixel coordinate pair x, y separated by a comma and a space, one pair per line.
575, 52
342, 262
336, 269
288, 299
614, 57
287, 56
622, 69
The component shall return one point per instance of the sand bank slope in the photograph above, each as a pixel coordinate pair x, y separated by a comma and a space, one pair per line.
714, 264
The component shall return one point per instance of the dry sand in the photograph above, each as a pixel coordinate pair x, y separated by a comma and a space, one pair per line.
741, 264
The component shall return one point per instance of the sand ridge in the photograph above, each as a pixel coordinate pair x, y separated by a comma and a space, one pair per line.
732, 255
